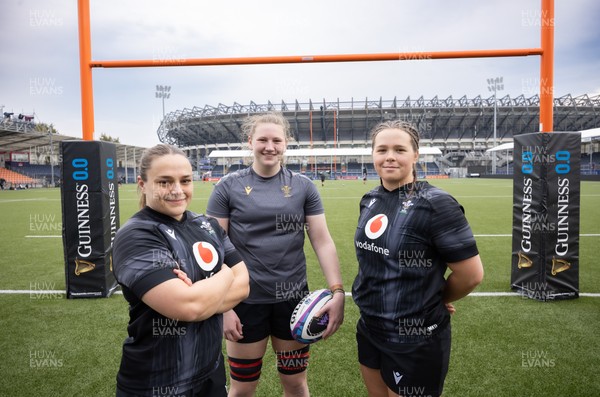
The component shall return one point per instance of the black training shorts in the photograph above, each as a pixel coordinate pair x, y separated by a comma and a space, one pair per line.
262, 320
409, 369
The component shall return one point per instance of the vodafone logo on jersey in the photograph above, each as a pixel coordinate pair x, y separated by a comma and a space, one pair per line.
376, 226
206, 255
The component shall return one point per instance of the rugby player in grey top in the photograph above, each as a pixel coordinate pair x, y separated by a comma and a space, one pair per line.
266, 210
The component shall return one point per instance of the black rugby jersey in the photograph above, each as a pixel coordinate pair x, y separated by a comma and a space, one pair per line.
161, 352
404, 241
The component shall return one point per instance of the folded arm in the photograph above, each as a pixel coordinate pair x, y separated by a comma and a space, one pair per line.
176, 299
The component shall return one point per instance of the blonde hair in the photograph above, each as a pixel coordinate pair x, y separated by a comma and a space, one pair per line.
401, 125
148, 157
277, 118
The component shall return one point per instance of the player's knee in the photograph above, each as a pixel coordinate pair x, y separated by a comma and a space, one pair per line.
293, 362
297, 389
245, 370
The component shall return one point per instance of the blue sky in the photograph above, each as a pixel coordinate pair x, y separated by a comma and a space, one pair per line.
39, 54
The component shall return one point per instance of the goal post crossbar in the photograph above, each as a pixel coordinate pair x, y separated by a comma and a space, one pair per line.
546, 53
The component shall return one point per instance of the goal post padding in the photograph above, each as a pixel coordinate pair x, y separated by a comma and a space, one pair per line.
545, 239
90, 213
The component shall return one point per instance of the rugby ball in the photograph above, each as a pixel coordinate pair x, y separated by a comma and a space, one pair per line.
306, 327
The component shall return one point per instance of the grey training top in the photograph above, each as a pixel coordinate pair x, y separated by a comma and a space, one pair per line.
267, 218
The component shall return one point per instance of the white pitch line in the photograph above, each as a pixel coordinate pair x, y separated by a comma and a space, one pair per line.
484, 294
476, 235
476, 294
38, 292
510, 235
21, 200
30, 291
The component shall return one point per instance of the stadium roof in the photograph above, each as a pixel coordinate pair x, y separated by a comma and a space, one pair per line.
586, 136
18, 136
439, 120
21, 139
314, 152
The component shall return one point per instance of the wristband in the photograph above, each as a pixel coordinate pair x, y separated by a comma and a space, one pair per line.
337, 288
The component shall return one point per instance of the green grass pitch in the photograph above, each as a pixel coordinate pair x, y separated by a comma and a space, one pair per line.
502, 345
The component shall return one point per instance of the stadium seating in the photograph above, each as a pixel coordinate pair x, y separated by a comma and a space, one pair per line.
14, 178
235, 167
217, 171
294, 167
590, 166
131, 174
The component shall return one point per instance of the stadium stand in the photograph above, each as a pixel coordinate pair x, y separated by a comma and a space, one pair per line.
462, 128
295, 167
235, 167
16, 180
35, 154
445, 122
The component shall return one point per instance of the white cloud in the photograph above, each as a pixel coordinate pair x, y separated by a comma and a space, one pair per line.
39, 40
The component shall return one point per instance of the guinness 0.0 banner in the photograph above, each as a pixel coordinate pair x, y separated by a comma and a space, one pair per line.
90, 213
545, 245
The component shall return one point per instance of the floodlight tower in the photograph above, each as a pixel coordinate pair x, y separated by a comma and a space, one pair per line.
495, 84
163, 92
